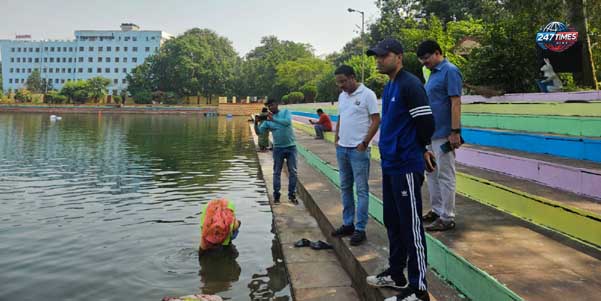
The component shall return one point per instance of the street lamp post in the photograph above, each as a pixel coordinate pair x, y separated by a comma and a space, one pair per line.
350, 10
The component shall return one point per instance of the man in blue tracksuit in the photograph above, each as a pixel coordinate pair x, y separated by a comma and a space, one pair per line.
406, 127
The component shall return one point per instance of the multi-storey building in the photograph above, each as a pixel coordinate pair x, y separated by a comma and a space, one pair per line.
107, 53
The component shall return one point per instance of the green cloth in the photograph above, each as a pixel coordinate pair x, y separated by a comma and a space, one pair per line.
426, 73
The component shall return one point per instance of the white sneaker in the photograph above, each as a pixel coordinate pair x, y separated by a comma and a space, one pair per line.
384, 279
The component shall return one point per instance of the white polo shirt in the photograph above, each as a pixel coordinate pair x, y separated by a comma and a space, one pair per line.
354, 111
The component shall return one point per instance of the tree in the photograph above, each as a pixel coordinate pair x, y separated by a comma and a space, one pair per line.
326, 86
577, 18
309, 91
23, 95
97, 87
1, 88
259, 72
75, 91
34, 82
292, 75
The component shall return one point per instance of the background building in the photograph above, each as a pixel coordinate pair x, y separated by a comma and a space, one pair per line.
107, 53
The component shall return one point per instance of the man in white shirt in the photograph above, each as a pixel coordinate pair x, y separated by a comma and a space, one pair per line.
358, 122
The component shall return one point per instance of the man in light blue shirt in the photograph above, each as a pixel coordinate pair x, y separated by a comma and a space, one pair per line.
279, 122
443, 87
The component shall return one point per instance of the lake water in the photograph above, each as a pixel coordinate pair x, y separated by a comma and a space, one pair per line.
106, 207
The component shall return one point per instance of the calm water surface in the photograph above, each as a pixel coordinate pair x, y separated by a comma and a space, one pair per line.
106, 207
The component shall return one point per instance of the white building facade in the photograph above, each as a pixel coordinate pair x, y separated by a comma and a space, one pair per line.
110, 54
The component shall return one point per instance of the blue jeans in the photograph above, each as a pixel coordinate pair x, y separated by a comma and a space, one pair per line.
353, 167
279, 154
319, 130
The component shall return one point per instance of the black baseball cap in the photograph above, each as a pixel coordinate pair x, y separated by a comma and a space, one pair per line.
385, 46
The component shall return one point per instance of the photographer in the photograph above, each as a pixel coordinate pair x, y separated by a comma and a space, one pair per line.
279, 122
264, 137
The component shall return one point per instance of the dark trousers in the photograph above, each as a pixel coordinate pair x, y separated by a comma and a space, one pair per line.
403, 220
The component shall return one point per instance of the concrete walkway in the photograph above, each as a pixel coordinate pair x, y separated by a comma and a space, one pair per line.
532, 261
314, 275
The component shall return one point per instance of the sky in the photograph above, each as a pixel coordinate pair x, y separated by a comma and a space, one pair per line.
325, 24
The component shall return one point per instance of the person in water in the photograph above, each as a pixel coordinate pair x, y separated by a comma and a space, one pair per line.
218, 225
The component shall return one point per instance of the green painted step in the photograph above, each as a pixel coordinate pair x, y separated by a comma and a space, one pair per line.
561, 125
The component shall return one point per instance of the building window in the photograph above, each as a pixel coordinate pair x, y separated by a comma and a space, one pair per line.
99, 59
50, 70
124, 70
81, 48
70, 49
80, 70
70, 60
124, 81
52, 60
90, 48
22, 80
134, 49
126, 39
125, 60
28, 70
18, 49
57, 70
56, 80
147, 49
18, 70
107, 70
18, 60
64, 60
45, 60
46, 49
134, 39
58, 49
44, 70
115, 81
68, 70
134, 59
117, 48
11, 70
10, 80
108, 59
12, 59
116, 70
37, 49
116, 60
51, 49
98, 70
29, 60
62, 81
125, 48
89, 70
90, 60
12, 49
100, 49
37, 60
80, 59
30, 49
108, 48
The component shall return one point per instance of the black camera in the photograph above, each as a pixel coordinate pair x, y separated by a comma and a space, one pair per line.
260, 117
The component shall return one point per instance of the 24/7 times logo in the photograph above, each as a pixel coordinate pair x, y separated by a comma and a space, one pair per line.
556, 37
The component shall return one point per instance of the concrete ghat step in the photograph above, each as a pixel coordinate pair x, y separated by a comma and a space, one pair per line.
517, 253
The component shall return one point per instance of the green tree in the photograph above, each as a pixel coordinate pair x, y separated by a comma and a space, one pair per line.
326, 86
292, 75
309, 91
34, 82
54, 97
97, 87
76, 91
260, 71
295, 97
23, 95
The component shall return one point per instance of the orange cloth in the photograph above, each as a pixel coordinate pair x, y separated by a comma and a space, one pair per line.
217, 223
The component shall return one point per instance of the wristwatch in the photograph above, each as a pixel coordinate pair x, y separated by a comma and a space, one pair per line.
458, 131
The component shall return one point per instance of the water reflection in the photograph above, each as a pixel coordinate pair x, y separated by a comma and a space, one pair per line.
266, 286
218, 269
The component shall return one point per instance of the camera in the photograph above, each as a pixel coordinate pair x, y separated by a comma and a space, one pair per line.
260, 117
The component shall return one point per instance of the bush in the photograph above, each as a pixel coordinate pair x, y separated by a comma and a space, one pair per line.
142, 97
117, 99
54, 97
285, 99
295, 97
310, 92
376, 83
23, 95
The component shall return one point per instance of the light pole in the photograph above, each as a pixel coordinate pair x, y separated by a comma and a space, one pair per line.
350, 10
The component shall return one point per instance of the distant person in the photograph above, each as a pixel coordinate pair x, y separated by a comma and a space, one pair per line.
279, 122
405, 131
264, 137
444, 93
218, 225
358, 121
324, 124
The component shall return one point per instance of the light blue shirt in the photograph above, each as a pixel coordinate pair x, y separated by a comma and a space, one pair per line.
281, 129
444, 81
